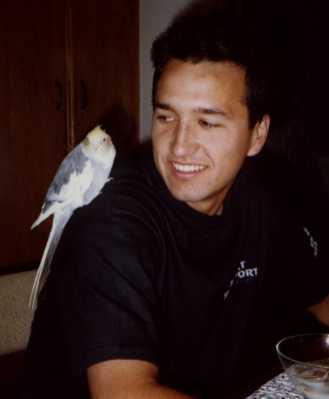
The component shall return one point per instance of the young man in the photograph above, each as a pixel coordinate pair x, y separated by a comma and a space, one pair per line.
178, 280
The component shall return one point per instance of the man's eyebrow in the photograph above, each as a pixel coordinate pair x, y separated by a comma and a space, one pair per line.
162, 106
213, 111
207, 111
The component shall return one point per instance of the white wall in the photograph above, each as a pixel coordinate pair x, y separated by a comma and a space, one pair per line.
154, 16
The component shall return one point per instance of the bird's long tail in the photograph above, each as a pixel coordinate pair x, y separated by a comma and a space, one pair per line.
59, 222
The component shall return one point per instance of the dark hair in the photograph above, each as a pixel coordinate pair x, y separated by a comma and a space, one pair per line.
217, 31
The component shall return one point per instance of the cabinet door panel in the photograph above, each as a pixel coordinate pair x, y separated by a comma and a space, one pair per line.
32, 123
105, 54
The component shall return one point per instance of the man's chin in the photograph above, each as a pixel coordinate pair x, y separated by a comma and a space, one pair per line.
183, 191
182, 196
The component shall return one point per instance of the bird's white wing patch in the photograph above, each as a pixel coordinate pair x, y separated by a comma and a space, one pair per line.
72, 192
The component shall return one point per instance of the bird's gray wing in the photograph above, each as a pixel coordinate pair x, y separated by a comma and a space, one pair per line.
59, 222
75, 161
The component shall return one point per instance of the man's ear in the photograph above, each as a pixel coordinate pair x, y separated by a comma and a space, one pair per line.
259, 135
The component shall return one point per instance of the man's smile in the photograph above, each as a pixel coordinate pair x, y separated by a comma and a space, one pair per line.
187, 167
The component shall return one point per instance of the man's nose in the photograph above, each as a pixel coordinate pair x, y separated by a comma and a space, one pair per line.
183, 140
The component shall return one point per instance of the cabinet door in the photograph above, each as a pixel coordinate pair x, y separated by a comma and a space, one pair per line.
105, 63
32, 124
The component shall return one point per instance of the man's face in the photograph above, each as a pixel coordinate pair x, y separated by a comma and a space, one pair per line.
200, 131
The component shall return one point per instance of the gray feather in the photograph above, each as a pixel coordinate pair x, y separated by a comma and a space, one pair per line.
75, 161
59, 222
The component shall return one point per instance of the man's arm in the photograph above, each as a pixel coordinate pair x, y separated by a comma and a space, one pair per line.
128, 379
321, 311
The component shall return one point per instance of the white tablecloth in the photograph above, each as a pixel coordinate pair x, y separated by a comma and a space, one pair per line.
279, 387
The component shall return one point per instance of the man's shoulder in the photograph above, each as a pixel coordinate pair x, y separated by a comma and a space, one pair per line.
129, 197
294, 225
134, 175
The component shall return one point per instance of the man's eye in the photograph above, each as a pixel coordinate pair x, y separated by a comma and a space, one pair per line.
208, 125
164, 118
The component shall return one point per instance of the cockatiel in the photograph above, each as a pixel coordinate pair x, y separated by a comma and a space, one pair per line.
79, 179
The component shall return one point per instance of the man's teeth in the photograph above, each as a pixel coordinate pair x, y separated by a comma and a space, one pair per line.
188, 168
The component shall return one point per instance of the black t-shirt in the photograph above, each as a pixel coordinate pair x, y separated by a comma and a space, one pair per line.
140, 275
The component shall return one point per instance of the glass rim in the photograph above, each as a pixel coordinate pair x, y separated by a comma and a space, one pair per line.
314, 364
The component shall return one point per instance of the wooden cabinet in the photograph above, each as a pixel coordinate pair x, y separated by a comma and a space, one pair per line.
105, 63
65, 65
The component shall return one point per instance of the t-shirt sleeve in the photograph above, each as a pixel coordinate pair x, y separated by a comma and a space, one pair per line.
311, 268
303, 268
105, 287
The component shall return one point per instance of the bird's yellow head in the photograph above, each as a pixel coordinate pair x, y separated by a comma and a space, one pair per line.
98, 145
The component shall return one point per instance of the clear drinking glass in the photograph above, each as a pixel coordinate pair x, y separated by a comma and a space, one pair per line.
305, 359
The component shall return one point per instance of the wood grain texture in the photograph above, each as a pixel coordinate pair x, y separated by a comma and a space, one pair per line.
32, 128
105, 58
